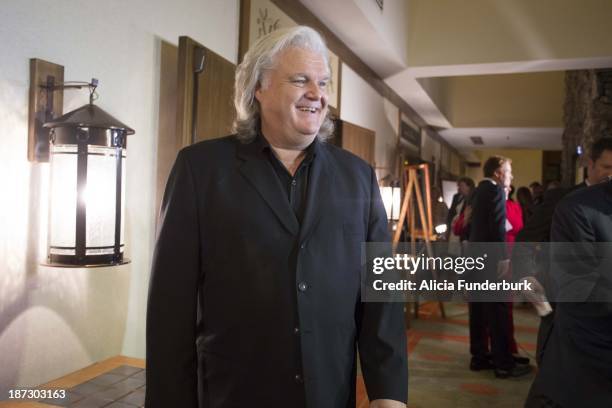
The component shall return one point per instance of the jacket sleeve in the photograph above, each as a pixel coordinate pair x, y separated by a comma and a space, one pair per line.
171, 357
497, 221
382, 333
575, 263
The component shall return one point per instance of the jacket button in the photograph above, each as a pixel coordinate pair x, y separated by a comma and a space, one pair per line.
296, 330
302, 246
298, 379
302, 286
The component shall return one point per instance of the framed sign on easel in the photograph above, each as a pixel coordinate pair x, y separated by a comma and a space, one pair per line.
409, 212
413, 175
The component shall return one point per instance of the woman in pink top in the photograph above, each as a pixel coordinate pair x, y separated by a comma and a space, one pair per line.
514, 218
514, 223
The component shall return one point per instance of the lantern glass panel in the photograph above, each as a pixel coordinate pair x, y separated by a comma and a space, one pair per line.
123, 184
397, 203
100, 198
387, 197
63, 192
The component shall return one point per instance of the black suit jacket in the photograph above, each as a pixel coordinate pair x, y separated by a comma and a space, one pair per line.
537, 227
487, 225
488, 222
247, 307
577, 364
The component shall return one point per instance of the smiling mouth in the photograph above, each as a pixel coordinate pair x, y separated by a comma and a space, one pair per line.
307, 109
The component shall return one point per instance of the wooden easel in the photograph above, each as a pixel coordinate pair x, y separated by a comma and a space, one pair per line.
411, 174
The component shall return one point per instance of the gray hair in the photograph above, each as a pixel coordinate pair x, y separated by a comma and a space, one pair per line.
250, 75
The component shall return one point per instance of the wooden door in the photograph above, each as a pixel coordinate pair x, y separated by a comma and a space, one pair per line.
195, 101
205, 90
357, 140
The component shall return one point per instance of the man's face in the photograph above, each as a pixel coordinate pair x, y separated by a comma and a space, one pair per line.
293, 98
504, 175
601, 168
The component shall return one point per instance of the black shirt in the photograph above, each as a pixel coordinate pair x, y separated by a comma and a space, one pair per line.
296, 186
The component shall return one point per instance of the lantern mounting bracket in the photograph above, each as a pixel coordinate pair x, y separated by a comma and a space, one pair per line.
92, 85
46, 103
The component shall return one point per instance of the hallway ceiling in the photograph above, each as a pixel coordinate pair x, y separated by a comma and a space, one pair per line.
488, 68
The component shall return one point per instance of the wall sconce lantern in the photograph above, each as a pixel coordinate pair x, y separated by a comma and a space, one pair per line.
392, 200
87, 153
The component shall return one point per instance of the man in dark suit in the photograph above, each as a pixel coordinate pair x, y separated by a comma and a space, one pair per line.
531, 258
488, 224
599, 163
576, 367
537, 229
255, 297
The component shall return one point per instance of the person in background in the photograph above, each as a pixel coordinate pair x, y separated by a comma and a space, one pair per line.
514, 217
458, 216
576, 366
599, 163
530, 257
538, 229
514, 224
537, 192
552, 185
488, 225
525, 200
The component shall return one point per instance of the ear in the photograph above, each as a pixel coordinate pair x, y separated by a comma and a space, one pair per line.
259, 91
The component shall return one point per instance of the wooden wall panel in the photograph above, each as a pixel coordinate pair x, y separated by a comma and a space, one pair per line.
195, 101
215, 106
168, 144
359, 141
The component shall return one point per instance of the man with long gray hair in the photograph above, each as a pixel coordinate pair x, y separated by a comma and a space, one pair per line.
255, 297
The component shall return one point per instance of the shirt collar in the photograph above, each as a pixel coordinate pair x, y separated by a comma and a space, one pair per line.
263, 145
491, 180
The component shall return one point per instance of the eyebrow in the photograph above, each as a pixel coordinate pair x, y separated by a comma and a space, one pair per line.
301, 74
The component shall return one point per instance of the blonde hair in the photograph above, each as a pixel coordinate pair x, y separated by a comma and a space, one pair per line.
493, 163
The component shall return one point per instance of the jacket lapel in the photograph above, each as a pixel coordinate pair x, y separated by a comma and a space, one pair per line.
320, 185
257, 169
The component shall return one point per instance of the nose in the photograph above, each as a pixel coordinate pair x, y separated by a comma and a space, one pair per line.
316, 93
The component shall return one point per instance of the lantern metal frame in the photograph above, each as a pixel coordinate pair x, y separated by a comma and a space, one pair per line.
83, 135
86, 126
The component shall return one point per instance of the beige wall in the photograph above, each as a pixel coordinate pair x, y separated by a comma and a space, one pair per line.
526, 165
390, 23
363, 106
430, 148
507, 100
448, 32
52, 320
475, 173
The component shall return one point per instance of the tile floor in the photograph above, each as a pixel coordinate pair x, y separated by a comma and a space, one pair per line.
122, 387
438, 362
439, 357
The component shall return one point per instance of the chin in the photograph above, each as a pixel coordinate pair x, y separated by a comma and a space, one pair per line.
309, 128
308, 132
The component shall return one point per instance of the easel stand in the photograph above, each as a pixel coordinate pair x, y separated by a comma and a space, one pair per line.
411, 173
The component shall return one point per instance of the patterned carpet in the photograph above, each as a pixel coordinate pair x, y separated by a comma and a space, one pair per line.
439, 357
